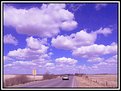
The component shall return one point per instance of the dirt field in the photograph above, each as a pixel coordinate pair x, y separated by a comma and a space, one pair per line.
8, 76
97, 81
10, 80
93, 81
31, 77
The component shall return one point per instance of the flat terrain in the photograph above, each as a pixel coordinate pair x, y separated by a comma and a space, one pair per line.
85, 81
31, 77
57, 82
8, 76
97, 81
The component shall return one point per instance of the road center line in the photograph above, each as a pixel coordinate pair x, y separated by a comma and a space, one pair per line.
73, 82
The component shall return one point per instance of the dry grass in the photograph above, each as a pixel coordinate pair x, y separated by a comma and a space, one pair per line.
19, 79
105, 80
97, 81
35, 78
8, 76
10, 80
49, 76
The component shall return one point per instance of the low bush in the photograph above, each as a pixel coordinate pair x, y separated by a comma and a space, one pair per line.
48, 76
19, 79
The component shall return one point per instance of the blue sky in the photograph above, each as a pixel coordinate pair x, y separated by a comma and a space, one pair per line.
60, 38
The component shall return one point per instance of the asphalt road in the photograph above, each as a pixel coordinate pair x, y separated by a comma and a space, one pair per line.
57, 82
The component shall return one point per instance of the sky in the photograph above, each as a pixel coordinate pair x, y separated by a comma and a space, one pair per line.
60, 38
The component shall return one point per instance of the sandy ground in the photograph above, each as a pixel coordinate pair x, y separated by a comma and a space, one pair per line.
9, 76
97, 81
35, 77
31, 77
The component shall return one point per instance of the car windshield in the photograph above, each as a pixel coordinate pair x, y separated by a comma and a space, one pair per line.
65, 76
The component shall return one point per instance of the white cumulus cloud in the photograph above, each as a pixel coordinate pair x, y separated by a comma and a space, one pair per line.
99, 6
95, 59
25, 54
35, 43
29, 57
49, 64
104, 31
73, 41
108, 65
95, 50
7, 58
79, 39
34, 50
46, 21
69, 25
64, 60
62, 42
9, 39
112, 60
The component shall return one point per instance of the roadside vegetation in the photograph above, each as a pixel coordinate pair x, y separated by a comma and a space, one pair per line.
18, 79
21, 79
96, 80
49, 76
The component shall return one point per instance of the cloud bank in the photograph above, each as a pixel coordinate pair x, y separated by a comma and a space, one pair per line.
46, 21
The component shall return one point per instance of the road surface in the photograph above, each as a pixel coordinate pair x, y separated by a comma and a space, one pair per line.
57, 82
